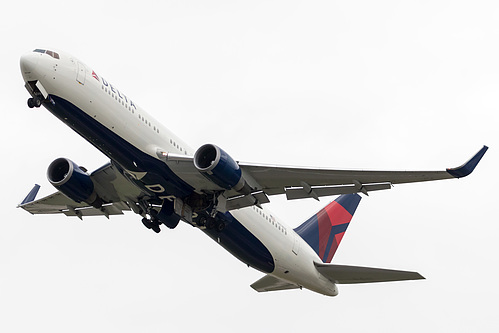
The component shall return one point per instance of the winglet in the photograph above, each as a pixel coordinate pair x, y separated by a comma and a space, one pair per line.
468, 167
31, 195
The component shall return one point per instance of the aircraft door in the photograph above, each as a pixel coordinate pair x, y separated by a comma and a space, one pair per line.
296, 244
81, 73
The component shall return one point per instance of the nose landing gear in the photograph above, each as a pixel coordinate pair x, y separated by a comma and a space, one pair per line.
34, 102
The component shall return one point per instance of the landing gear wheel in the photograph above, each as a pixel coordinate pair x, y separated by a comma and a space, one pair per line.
34, 102
146, 223
155, 223
156, 228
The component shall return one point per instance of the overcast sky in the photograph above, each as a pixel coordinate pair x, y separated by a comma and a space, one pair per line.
352, 84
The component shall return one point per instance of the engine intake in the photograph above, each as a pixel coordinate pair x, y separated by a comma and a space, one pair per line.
216, 165
72, 181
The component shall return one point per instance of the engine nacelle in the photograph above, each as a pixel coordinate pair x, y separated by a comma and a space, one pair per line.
75, 183
216, 165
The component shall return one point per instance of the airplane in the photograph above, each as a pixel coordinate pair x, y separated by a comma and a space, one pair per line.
156, 175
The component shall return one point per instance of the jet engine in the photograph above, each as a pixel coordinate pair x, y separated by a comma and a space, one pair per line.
216, 165
72, 181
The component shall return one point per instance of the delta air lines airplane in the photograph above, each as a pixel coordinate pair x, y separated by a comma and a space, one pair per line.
153, 173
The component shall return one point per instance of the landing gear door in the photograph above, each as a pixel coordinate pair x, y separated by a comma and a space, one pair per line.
81, 73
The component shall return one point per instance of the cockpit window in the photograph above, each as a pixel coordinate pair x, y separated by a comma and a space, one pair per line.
50, 53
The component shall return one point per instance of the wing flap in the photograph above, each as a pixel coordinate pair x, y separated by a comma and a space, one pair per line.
323, 191
272, 283
343, 274
107, 210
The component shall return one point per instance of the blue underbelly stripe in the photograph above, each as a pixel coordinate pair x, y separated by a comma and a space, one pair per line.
235, 238
239, 241
118, 149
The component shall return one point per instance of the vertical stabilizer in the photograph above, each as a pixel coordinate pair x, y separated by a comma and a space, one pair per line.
324, 231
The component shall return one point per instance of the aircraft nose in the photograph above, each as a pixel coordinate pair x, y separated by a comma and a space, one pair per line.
29, 63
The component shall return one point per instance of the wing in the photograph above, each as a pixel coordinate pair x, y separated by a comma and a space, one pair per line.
298, 183
343, 274
114, 189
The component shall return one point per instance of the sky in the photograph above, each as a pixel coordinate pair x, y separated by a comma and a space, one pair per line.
385, 85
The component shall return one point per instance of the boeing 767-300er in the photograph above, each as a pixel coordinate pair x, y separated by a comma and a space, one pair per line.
153, 173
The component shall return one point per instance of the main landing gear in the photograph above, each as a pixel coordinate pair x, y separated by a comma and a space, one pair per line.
34, 102
167, 215
152, 224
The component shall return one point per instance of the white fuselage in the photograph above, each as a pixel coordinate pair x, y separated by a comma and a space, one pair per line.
72, 81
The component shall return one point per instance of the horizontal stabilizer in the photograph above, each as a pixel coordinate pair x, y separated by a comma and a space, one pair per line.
271, 283
343, 274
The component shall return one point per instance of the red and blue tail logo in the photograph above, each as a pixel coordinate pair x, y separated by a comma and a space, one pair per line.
324, 231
